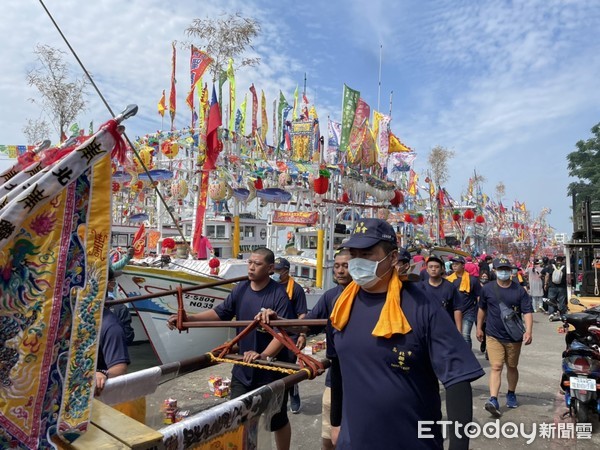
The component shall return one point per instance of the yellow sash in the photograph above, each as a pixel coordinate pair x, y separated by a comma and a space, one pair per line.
391, 319
290, 288
465, 282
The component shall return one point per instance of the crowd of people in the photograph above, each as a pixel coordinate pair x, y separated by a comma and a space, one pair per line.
402, 338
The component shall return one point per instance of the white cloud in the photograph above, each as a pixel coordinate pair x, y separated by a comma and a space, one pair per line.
509, 86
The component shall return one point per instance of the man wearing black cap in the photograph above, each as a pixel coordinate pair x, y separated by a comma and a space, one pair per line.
437, 287
389, 345
403, 262
469, 289
501, 346
296, 294
244, 302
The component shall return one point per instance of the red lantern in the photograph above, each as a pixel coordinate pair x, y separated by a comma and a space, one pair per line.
168, 243
398, 198
456, 216
516, 225
469, 214
258, 184
479, 219
408, 218
214, 264
420, 219
321, 185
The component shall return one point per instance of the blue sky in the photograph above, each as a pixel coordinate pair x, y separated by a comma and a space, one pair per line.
509, 86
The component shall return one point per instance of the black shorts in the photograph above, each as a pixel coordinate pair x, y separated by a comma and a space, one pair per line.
279, 420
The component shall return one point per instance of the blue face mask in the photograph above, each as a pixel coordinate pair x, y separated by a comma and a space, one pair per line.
276, 277
503, 275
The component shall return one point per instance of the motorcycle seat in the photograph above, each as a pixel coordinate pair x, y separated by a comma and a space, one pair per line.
582, 321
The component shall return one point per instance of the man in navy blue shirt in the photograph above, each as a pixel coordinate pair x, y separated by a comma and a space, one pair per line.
442, 290
113, 356
245, 302
501, 347
322, 310
468, 286
390, 347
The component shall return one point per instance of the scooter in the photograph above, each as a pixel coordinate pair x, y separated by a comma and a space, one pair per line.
581, 364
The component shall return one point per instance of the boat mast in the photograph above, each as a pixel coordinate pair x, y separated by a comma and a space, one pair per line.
379, 78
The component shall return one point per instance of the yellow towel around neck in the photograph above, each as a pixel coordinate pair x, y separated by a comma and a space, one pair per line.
391, 319
290, 288
465, 282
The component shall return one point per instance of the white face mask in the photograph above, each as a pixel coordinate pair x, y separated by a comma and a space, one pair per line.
276, 277
503, 275
364, 271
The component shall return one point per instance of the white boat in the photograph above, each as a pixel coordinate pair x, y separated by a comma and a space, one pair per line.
168, 345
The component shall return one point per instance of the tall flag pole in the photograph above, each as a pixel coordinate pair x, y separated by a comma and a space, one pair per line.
173, 93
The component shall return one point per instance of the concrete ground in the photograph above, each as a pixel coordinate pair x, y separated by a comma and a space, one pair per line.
538, 392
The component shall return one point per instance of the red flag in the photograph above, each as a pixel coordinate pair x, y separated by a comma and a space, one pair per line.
201, 209
173, 93
199, 61
254, 109
213, 145
139, 242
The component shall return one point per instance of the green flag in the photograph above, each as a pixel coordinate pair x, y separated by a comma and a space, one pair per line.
349, 103
243, 122
283, 105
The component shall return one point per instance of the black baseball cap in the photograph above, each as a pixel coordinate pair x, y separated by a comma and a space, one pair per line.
502, 263
458, 259
281, 263
369, 232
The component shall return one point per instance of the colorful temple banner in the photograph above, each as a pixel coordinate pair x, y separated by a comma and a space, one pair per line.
54, 239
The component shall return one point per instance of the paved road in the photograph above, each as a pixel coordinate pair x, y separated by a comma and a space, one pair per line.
538, 394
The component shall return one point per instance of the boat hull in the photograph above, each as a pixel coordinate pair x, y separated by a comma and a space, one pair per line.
170, 345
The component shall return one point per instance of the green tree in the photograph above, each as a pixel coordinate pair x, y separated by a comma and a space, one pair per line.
584, 165
62, 96
225, 38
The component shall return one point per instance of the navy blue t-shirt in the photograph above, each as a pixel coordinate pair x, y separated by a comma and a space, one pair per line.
513, 296
446, 294
244, 303
322, 310
298, 299
391, 384
113, 346
468, 301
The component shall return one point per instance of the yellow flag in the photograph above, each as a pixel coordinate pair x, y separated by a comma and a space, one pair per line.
295, 109
231, 79
243, 121
396, 146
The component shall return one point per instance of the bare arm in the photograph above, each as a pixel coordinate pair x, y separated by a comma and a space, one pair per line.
528, 336
204, 315
481, 314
